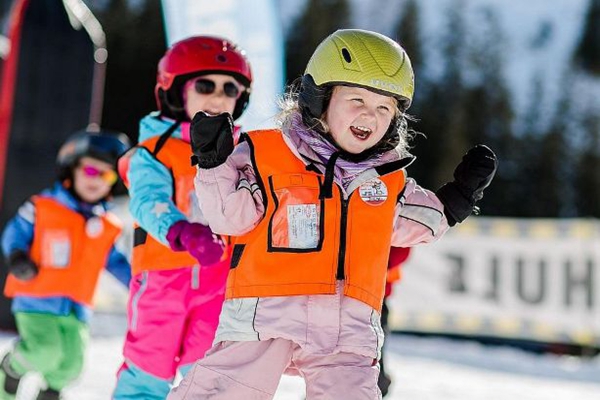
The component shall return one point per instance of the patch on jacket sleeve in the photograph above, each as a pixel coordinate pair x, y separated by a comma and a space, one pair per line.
426, 216
27, 212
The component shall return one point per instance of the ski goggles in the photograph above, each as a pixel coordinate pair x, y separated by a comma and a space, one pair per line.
207, 86
108, 176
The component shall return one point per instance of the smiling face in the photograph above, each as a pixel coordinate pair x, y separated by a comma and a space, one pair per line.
213, 99
93, 179
358, 118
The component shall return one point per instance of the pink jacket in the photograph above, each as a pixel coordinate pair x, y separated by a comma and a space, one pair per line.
231, 200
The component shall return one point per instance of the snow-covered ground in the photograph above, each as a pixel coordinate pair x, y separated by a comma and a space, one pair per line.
422, 369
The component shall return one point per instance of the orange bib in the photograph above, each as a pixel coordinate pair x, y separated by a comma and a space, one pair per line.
305, 242
69, 250
149, 253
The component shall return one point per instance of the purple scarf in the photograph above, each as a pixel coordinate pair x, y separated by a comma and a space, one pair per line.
314, 146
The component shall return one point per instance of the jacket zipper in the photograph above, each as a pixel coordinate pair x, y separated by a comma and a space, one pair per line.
341, 273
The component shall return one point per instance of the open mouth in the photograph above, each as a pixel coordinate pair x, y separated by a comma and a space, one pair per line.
92, 189
360, 132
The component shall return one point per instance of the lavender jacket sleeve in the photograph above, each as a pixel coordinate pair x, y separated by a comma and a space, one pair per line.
419, 217
228, 195
231, 201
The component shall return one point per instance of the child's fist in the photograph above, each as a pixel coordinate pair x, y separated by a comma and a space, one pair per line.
476, 170
211, 139
474, 173
196, 239
21, 266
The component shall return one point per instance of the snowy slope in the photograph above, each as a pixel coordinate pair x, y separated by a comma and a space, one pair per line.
422, 368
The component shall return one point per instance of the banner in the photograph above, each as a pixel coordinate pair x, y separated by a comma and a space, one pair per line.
254, 26
513, 278
524, 279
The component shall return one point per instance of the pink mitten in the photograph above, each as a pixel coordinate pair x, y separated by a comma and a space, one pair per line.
197, 239
173, 235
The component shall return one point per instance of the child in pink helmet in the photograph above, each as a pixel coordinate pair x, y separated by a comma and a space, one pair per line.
179, 266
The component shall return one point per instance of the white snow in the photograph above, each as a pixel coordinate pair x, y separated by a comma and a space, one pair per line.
422, 369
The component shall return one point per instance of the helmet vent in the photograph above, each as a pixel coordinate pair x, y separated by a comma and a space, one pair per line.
221, 58
346, 55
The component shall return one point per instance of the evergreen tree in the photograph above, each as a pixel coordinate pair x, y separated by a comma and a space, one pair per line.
319, 20
4, 9
490, 113
440, 109
588, 51
587, 180
544, 175
548, 184
534, 113
407, 34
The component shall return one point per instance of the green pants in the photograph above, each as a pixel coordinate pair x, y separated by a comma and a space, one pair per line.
51, 345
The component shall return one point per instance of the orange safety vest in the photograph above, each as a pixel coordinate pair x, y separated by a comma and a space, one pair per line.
149, 253
69, 250
306, 242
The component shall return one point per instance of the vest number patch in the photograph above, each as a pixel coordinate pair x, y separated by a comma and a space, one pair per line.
303, 226
57, 249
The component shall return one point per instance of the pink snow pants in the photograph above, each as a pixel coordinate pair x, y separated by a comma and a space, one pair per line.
172, 317
252, 370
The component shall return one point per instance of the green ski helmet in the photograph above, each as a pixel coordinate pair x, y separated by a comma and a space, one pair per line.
360, 58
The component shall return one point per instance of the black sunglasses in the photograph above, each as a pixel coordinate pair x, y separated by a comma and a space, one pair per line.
206, 86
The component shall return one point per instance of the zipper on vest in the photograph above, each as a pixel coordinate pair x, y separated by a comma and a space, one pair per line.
343, 228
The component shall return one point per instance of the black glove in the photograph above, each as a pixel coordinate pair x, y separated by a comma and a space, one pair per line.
211, 138
21, 266
474, 173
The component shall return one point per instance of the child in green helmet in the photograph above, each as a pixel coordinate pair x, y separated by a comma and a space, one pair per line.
313, 208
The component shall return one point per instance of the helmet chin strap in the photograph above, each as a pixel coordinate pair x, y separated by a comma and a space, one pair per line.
174, 111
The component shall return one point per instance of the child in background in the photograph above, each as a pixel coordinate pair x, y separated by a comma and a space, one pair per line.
175, 300
56, 247
398, 255
314, 208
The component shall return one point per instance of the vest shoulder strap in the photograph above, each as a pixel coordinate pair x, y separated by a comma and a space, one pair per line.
164, 137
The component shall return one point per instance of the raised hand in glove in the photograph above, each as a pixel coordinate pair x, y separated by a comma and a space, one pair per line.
196, 239
21, 266
474, 173
211, 139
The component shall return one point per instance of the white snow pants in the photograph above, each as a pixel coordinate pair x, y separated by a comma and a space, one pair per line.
252, 370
